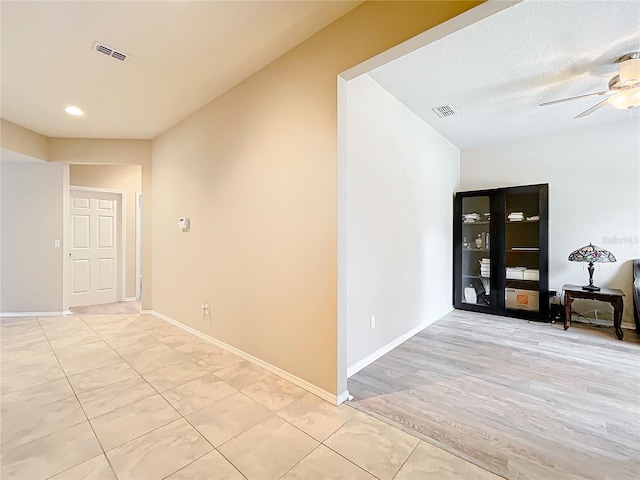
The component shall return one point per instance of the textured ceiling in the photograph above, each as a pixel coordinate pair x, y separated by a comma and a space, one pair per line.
496, 72
183, 54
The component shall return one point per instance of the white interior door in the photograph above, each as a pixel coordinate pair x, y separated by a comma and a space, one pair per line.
94, 248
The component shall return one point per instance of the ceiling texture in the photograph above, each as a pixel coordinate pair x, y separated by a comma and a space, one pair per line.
496, 72
183, 54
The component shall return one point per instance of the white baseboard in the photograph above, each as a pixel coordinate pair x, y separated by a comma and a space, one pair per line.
343, 397
35, 314
130, 299
372, 357
147, 312
329, 397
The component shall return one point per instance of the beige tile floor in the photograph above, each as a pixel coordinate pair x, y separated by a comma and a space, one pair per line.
133, 397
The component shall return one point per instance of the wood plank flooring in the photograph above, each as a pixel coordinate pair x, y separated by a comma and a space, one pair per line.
523, 400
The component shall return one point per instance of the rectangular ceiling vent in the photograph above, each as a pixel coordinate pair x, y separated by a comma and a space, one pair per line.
111, 52
445, 111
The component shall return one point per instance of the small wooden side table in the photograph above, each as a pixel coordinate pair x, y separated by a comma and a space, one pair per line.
609, 295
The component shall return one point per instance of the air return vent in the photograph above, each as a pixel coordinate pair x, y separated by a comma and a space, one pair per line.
106, 50
445, 111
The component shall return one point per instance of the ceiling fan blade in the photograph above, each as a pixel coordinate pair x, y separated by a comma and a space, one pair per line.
553, 102
592, 109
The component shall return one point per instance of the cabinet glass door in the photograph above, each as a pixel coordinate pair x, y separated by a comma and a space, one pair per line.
476, 258
522, 251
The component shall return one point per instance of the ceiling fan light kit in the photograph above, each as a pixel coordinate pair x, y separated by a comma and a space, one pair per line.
627, 98
624, 88
629, 69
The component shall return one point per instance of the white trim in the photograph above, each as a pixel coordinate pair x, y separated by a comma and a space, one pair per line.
66, 267
343, 271
138, 245
96, 189
146, 312
343, 397
329, 397
372, 357
130, 299
122, 249
35, 314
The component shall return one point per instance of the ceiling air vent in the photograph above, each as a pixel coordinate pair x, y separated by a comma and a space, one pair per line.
445, 111
102, 48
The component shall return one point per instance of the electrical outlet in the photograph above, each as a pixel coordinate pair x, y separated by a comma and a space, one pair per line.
373, 322
205, 308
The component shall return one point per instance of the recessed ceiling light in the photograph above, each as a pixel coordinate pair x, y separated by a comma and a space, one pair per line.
75, 111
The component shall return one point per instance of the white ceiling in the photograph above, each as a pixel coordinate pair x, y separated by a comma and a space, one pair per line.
496, 72
183, 54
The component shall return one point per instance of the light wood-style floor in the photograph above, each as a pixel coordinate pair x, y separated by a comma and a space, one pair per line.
523, 400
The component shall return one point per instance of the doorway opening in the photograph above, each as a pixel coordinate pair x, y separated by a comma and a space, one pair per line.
103, 240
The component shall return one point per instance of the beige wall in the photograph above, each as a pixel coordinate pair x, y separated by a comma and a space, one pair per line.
99, 151
116, 177
31, 212
22, 140
256, 171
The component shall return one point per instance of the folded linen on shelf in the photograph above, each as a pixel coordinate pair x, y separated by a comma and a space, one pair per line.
485, 267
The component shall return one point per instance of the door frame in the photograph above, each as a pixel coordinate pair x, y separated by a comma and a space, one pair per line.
138, 245
121, 291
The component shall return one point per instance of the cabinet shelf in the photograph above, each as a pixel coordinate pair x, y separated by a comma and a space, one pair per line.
519, 280
525, 246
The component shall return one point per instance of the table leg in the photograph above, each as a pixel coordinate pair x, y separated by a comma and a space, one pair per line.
617, 316
567, 310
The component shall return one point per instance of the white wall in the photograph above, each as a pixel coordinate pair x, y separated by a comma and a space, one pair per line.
32, 196
594, 196
401, 175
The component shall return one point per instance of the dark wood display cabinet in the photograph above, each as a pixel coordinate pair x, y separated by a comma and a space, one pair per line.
501, 255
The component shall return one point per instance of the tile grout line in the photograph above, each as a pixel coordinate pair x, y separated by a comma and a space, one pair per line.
161, 396
169, 403
406, 459
180, 416
81, 407
272, 413
301, 460
110, 411
275, 414
341, 455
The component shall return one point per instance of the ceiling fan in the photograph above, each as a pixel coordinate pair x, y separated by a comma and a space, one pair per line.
624, 88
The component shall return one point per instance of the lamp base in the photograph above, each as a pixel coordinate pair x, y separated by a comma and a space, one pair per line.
591, 288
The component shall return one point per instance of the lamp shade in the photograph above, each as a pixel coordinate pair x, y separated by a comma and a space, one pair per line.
591, 253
